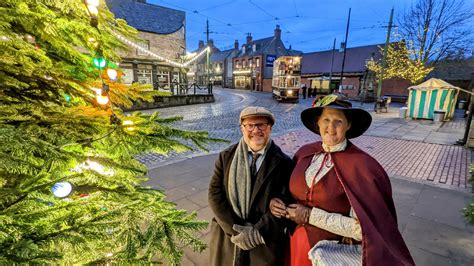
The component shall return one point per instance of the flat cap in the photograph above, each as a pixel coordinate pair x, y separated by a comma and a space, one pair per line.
251, 111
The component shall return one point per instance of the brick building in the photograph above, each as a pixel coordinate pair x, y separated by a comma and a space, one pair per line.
316, 70
163, 32
253, 65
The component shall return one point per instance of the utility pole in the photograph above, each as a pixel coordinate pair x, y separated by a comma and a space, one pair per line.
208, 63
345, 48
384, 58
332, 63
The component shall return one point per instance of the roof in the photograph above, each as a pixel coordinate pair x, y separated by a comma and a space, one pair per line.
433, 84
454, 69
356, 57
269, 45
221, 56
148, 17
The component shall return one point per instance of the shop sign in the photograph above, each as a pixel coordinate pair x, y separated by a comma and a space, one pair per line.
269, 60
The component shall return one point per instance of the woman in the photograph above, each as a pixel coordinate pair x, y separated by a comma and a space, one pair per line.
341, 192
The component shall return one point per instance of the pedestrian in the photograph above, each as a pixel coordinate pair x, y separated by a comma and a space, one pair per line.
342, 194
310, 92
304, 91
315, 92
247, 175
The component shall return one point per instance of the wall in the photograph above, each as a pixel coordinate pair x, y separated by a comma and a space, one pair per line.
166, 45
267, 85
395, 86
355, 82
176, 100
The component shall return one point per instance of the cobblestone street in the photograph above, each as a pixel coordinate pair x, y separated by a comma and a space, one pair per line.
418, 149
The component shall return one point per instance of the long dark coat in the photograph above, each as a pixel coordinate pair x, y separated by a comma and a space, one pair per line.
272, 181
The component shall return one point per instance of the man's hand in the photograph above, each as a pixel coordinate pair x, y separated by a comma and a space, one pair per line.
298, 213
248, 237
278, 208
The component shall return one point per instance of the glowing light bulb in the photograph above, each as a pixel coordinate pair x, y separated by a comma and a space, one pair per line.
129, 125
112, 73
99, 62
61, 189
92, 3
93, 10
103, 100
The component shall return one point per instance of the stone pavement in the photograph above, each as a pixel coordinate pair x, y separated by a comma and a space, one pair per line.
430, 217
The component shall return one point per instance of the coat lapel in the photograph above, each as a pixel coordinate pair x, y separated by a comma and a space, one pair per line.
272, 159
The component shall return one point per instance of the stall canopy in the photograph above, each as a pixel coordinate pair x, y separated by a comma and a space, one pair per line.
430, 96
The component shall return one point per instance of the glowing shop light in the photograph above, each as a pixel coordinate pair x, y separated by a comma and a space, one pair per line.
61, 189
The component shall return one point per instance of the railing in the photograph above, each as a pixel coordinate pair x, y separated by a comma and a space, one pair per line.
190, 89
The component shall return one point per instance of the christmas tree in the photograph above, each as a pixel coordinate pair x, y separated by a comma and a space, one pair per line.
69, 184
400, 64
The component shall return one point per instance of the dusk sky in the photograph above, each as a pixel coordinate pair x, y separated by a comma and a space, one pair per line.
307, 26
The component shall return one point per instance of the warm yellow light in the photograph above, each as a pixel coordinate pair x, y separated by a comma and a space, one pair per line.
129, 125
93, 10
94, 3
102, 99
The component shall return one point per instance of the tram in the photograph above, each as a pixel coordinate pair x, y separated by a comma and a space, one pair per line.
286, 80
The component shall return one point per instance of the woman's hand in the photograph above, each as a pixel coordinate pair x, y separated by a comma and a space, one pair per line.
278, 208
298, 213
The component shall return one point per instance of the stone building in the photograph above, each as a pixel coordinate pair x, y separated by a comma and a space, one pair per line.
221, 66
197, 72
163, 32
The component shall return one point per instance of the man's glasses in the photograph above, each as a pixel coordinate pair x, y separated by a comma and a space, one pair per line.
251, 127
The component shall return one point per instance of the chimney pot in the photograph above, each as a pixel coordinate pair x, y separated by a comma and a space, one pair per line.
249, 38
277, 32
236, 44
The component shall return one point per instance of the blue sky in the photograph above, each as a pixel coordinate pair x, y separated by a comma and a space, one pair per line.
306, 25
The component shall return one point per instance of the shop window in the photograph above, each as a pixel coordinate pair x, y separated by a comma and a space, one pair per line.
163, 77
144, 76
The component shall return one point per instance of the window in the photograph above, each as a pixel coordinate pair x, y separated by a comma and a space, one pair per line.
250, 63
127, 77
145, 44
144, 76
163, 77
244, 63
237, 64
257, 62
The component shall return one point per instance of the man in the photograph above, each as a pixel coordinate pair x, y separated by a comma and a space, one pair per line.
246, 177
304, 91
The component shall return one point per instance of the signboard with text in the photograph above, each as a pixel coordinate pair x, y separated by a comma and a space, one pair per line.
269, 60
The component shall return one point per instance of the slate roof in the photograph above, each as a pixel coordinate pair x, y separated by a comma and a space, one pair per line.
269, 45
221, 56
148, 17
356, 57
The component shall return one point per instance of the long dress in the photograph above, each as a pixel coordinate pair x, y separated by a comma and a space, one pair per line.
327, 194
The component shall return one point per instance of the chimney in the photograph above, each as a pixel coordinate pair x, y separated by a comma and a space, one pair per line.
277, 32
210, 43
343, 45
201, 44
249, 37
236, 44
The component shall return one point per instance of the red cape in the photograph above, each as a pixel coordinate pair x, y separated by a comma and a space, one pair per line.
370, 193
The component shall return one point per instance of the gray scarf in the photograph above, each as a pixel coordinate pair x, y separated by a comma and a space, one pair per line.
239, 181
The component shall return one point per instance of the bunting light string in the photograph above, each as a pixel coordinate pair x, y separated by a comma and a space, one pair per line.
171, 62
